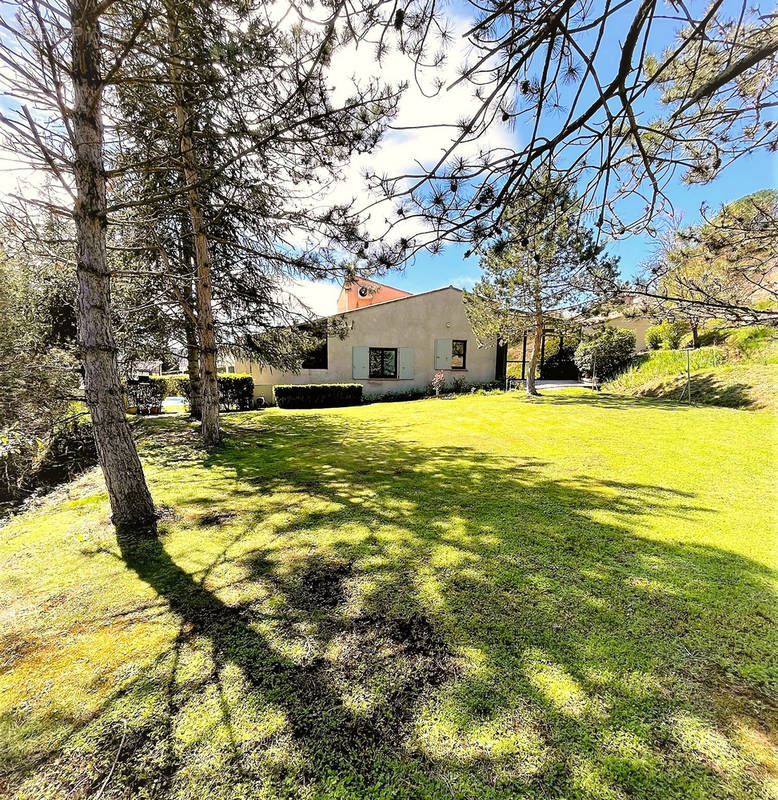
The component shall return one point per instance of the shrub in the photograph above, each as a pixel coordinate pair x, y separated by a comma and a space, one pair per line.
605, 353
236, 391
438, 381
397, 397
654, 337
146, 394
667, 334
318, 395
178, 386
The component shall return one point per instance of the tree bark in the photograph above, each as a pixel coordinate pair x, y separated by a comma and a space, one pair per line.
695, 340
190, 332
209, 390
131, 503
537, 340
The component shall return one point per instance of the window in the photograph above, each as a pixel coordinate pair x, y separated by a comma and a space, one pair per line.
458, 353
316, 358
383, 362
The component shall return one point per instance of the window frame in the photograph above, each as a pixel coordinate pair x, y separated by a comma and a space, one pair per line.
383, 375
464, 353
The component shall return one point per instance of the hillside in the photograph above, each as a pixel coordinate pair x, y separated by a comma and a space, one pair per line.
742, 373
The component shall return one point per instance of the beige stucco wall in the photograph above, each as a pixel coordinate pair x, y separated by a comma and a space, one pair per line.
638, 325
413, 322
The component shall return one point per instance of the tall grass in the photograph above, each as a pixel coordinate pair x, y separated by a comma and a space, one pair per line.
665, 363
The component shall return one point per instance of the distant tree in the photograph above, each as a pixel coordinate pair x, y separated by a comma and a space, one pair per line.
725, 268
543, 269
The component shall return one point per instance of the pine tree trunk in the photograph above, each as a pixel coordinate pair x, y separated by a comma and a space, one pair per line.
190, 332
209, 390
537, 340
131, 504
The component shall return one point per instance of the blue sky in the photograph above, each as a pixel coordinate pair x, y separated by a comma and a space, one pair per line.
749, 174
758, 171
752, 173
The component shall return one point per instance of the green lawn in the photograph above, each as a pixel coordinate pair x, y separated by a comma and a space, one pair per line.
486, 597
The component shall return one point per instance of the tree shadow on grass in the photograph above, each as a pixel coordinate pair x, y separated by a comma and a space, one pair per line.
439, 623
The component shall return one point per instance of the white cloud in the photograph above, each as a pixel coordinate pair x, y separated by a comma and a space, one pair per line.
420, 133
319, 297
464, 281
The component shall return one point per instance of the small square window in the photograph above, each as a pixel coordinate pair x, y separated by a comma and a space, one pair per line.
458, 353
383, 362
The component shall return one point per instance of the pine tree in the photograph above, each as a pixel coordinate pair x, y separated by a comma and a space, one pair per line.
543, 269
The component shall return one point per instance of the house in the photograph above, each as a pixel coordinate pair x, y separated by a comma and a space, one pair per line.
394, 341
361, 292
617, 319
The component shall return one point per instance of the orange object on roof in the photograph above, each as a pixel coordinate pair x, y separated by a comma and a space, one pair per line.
362, 292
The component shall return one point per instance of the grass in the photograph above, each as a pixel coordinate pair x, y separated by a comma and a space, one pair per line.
486, 597
741, 374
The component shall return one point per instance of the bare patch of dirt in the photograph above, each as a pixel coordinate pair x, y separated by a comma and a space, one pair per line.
215, 518
322, 584
13, 647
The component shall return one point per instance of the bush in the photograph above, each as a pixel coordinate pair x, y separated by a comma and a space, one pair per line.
666, 334
146, 394
398, 397
654, 337
236, 391
178, 386
605, 353
318, 395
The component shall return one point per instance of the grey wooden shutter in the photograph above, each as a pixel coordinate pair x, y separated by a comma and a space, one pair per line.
442, 353
360, 362
405, 366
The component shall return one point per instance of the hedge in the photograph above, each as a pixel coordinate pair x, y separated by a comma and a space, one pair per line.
318, 395
236, 391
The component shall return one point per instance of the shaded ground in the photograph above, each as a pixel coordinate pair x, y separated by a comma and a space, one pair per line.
484, 598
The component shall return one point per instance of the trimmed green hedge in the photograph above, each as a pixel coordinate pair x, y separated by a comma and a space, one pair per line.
236, 391
318, 395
